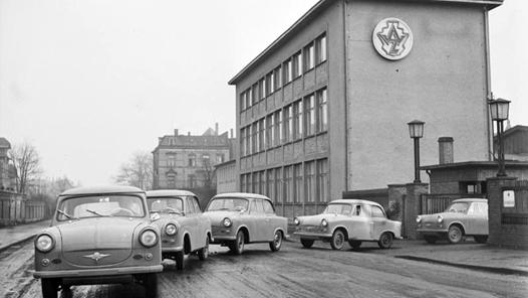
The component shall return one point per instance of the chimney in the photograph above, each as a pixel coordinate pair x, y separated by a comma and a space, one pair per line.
445, 150
216, 128
188, 133
232, 136
175, 132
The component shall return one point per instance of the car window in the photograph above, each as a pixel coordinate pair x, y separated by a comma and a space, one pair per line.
260, 208
484, 207
376, 211
230, 204
100, 206
268, 207
339, 208
197, 208
190, 206
458, 207
165, 204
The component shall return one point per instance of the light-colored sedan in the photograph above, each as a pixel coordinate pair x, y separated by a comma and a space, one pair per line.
241, 218
184, 228
463, 217
354, 221
99, 235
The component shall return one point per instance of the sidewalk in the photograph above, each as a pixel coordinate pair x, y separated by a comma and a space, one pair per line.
10, 236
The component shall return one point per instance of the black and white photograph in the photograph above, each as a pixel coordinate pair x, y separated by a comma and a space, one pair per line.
251, 148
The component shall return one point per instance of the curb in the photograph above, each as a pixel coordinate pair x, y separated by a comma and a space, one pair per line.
9, 245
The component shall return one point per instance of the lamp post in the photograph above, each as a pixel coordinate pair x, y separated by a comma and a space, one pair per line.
416, 129
499, 109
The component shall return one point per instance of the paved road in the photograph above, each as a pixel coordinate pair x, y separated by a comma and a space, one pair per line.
291, 272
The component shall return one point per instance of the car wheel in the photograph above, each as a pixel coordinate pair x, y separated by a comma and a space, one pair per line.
203, 253
150, 282
238, 246
338, 240
276, 244
385, 240
307, 243
430, 239
481, 239
355, 244
179, 257
454, 235
49, 287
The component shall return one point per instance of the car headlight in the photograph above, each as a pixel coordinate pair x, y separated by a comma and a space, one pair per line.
148, 238
324, 223
227, 222
440, 219
418, 219
44, 243
171, 229
296, 221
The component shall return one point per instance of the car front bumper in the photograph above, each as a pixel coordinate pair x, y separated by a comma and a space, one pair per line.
107, 274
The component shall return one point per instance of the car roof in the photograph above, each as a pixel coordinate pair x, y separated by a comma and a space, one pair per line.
168, 193
101, 189
354, 201
471, 200
245, 195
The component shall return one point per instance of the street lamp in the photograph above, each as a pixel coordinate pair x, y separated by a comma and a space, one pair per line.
416, 129
499, 109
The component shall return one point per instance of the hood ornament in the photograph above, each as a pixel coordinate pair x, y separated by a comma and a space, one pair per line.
96, 256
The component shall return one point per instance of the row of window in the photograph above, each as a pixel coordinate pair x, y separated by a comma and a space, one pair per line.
305, 182
192, 159
191, 181
301, 62
302, 118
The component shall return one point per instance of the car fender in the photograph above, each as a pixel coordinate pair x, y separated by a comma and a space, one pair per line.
456, 222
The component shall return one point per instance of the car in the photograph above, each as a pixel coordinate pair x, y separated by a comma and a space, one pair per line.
184, 228
241, 218
355, 221
463, 217
98, 235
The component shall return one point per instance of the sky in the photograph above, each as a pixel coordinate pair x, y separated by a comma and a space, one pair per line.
91, 83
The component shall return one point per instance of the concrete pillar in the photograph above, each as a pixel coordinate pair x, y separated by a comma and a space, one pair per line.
411, 208
497, 236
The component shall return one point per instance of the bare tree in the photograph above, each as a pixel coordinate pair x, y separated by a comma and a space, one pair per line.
26, 162
137, 172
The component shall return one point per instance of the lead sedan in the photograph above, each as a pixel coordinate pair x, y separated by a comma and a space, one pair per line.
240, 218
184, 228
98, 235
354, 221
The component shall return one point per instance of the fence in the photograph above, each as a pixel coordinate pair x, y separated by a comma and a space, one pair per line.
435, 203
15, 209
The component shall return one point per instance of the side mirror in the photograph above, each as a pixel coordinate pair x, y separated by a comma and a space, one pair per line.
154, 216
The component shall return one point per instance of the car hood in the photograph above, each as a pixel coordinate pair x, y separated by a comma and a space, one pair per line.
217, 216
84, 240
316, 219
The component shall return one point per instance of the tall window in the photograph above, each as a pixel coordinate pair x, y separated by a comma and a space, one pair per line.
192, 160
322, 110
298, 119
220, 157
309, 193
262, 182
206, 159
309, 57
320, 44
243, 101
255, 179
262, 134
262, 88
171, 181
278, 77
248, 140
288, 123
171, 160
270, 187
297, 65
279, 192
322, 180
255, 144
297, 174
249, 98
309, 108
278, 127
270, 126
270, 83
192, 181
288, 184
288, 71
254, 92
243, 182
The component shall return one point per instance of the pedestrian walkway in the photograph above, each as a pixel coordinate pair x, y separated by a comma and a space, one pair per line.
15, 234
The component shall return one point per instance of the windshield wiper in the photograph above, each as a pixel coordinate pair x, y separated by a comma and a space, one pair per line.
96, 213
66, 214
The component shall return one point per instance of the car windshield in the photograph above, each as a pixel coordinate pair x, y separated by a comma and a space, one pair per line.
165, 205
459, 207
344, 209
100, 206
230, 204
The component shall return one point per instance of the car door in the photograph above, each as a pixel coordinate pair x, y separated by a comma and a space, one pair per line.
379, 221
272, 221
477, 219
202, 224
191, 222
261, 220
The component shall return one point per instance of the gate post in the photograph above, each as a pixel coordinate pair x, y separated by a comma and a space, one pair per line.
497, 236
412, 208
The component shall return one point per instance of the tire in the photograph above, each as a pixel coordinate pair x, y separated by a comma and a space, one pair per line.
355, 244
430, 239
237, 247
203, 253
481, 239
385, 240
49, 287
180, 260
454, 234
338, 240
150, 282
276, 244
307, 243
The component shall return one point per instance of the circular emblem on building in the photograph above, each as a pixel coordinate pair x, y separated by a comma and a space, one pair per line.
392, 39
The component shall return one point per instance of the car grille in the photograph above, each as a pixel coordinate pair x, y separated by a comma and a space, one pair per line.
96, 258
